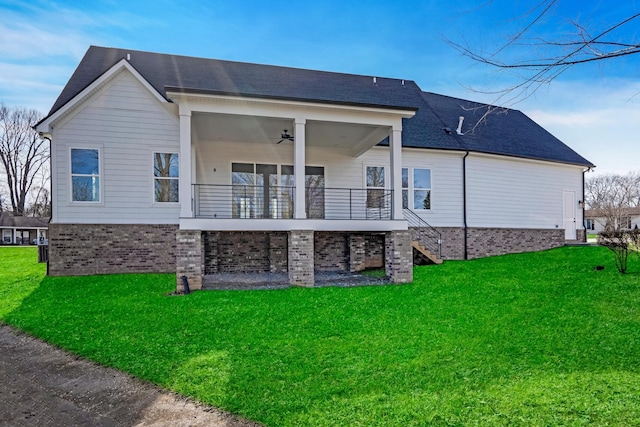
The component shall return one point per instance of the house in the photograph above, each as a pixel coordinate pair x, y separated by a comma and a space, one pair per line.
597, 220
22, 230
171, 163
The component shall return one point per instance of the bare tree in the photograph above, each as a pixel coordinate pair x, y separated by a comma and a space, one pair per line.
41, 205
610, 196
23, 154
538, 60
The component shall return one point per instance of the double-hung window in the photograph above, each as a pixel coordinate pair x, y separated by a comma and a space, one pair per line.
166, 177
85, 175
416, 188
375, 181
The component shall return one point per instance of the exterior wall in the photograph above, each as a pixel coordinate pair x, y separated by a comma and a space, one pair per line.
514, 193
399, 257
83, 249
189, 259
331, 251
244, 252
484, 242
127, 124
301, 258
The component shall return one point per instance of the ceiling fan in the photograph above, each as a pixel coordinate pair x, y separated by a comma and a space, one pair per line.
285, 137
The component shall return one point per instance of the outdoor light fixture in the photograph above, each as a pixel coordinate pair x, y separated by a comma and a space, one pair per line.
580, 204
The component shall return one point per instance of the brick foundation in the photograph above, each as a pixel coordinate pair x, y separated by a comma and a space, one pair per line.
245, 251
189, 258
331, 251
301, 258
83, 249
399, 257
357, 253
484, 242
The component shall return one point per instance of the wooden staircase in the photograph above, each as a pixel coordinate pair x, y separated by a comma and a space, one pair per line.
426, 253
427, 241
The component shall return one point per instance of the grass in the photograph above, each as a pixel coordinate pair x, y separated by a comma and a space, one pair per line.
530, 339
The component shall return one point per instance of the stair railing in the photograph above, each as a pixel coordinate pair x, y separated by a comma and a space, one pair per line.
427, 236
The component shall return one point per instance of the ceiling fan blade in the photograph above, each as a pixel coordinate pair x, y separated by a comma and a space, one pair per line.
279, 141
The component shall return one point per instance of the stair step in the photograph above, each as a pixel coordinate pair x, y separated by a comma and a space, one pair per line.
426, 252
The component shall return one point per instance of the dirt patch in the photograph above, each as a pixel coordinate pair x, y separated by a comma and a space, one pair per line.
45, 386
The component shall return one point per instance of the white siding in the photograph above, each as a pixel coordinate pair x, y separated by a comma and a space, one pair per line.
509, 192
127, 124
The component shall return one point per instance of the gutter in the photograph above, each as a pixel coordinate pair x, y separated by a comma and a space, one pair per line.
464, 202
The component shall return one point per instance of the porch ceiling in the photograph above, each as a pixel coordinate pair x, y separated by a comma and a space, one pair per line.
257, 129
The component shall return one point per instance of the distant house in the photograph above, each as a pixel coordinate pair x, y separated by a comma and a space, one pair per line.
597, 220
22, 230
198, 166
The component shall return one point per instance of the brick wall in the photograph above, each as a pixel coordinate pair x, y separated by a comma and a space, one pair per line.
452, 242
244, 251
374, 250
484, 242
331, 251
189, 259
399, 256
82, 249
301, 257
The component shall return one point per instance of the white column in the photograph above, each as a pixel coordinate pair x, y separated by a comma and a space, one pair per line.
395, 153
299, 163
186, 203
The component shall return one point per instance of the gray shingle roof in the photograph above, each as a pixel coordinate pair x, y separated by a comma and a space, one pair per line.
8, 221
509, 133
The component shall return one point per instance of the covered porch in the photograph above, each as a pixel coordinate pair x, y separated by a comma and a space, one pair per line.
239, 172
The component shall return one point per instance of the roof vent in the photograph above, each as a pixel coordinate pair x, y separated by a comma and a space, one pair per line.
128, 57
375, 80
459, 130
447, 131
403, 83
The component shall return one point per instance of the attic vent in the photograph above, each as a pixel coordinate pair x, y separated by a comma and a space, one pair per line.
402, 83
447, 131
128, 57
375, 80
459, 130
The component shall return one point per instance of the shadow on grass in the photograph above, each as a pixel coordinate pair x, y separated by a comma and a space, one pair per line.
541, 337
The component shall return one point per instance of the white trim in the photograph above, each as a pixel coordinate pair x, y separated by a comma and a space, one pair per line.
198, 101
290, 224
101, 182
410, 188
46, 125
155, 203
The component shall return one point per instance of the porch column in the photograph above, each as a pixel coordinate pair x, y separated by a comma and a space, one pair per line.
299, 162
395, 153
186, 204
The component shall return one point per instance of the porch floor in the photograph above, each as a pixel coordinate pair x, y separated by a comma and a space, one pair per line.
266, 280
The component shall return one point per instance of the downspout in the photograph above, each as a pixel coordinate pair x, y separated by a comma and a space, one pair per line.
50, 196
464, 201
584, 225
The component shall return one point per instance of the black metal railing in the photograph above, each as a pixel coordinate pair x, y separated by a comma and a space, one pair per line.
278, 202
423, 233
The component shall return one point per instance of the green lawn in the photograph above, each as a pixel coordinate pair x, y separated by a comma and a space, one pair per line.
533, 339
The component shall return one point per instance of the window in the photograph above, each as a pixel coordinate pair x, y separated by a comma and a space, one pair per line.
375, 186
166, 177
85, 175
416, 192
256, 193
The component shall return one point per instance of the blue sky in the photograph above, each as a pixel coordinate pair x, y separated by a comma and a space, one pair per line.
594, 108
